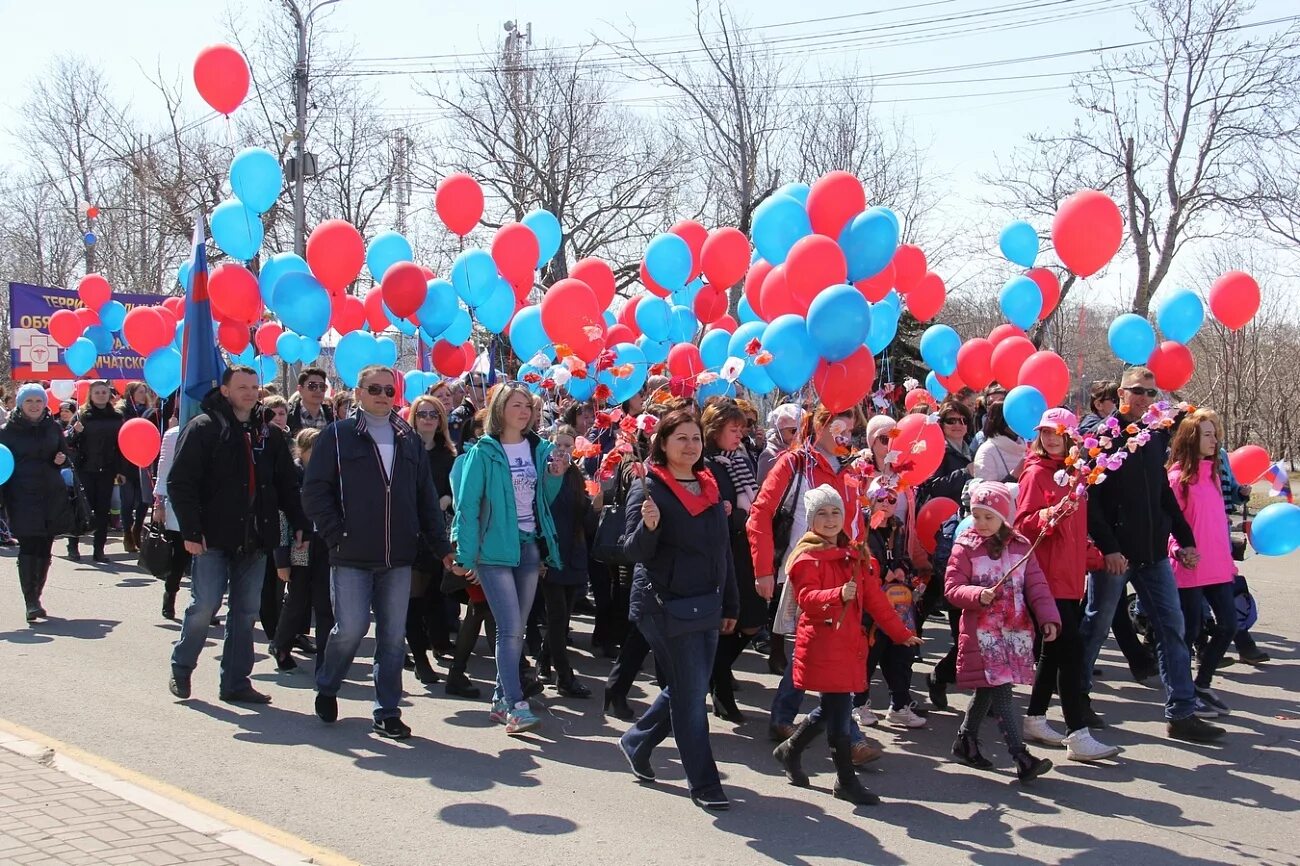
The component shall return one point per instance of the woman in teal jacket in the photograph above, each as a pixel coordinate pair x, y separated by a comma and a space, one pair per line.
502, 532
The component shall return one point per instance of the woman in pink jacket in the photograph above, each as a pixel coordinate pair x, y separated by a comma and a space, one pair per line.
1194, 477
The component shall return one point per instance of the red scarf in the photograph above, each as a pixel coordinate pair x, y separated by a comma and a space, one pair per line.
696, 503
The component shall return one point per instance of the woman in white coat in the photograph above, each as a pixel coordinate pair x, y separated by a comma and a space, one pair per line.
163, 514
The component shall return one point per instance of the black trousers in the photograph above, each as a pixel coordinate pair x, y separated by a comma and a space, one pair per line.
36, 545
180, 561
895, 662
628, 664
1060, 669
476, 614
945, 672
559, 608
309, 593
272, 600
99, 493
432, 618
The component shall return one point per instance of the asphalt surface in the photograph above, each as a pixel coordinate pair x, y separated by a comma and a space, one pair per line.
462, 791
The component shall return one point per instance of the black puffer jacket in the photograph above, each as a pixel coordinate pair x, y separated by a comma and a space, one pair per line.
208, 484
96, 445
35, 497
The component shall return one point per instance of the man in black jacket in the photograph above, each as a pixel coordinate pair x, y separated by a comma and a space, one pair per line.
307, 408
231, 478
1131, 515
369, 492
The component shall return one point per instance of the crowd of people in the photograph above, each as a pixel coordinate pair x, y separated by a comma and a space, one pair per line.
699, 532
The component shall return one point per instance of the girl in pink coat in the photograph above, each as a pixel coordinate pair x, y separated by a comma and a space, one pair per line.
995, 644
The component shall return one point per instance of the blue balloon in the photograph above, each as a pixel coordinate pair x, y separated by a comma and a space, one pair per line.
245, 358
256, 178
112, 315
890, 215
179, 340
266, 368
892, 301
752, 376
756, 379
102, 338
713, 349
236, 229
1019, 243
745, 311
459, 329
686, 295
162, 370
403, 326
183, 274
303, 304
797, 191
413, 384
934, 386
869, 241
939, 345
1275, 530
90, 239
386, 351
1179, 316
387, 249
494, 313
794, 357
964, 524
1131, 338
884, 327
547, 229
474, 274
655, 351
683, 326
668, 260
1023, 409
439, 307
354, 351
1021, 301
275, 267
581, 389
80, 356
627, 387
779, 223
610, 319
527, 336
288, 347
6, 463
308, 350
716, 388
654, 317
839, 320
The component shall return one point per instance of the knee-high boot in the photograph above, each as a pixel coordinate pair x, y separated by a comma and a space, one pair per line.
730, 646
29, 570
789, 752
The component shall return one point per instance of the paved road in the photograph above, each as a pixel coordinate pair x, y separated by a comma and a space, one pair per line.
461, 791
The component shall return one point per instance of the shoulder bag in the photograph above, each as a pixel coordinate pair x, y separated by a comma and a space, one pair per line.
155, 550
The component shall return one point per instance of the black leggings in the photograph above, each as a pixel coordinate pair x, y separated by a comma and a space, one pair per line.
1060, 669
895, 662
559, 607
36, 545
99, 493
476, 614
945, 671
309, 592
180, 561
998, 698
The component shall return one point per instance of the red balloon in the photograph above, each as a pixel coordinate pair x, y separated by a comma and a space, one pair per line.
1087, 231
88, 317
177, 306
710, 304
375, 315
1048, 372
841, 385
94, 291
52, 400
233, 337
1049, 286
515, 250
919, 395
619, 333
725, 323
448, 358
139, 441
814, 263
404, 287
221, 75
920, 442
599, 277
695, 235
170, 321
835, 198
875, 288
653, 287
335, 254
265, 336
757, 273
627, 315
570, 316
1249, 463
952, 384
1234, 299
975, 363
459, 202
930, 518
145, 330
234, 293
65, 327
909, 267
1008, 357
926, 298
1173, 365
1003, 331
684, 360
777, 299
725, 256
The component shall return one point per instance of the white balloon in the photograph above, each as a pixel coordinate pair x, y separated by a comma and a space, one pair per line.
63, 388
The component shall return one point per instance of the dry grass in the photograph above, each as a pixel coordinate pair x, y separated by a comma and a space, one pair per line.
1261, 495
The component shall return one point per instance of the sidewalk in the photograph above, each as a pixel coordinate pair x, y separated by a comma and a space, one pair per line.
56, 810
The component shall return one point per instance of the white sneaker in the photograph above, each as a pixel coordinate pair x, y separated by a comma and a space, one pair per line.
1083, 746
867, 717
1037, 730
905, 718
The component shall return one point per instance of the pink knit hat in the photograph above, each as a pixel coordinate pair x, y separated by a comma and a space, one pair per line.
996, 497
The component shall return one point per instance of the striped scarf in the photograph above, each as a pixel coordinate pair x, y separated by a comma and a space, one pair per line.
740, 472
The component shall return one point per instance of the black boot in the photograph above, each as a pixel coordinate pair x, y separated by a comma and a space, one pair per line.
28, 567
74, 549
42, 575
424, 671
776, 660
729, 649
169, 605
616, 705
966, 748
847, 784
788, 753
1028, 767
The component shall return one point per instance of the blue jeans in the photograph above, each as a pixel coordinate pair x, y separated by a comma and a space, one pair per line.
789, 700
836, 709
213, 573
687, 662
510, 593
354, 592
1224, 605
1104, 592
1158, 594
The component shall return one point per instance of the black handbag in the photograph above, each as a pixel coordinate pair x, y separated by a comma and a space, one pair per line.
155, 550
783, 520
81, 516
692, 614
607, 546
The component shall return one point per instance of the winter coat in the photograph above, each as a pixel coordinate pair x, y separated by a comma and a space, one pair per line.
35, 497
208, 482
998, 458
1089, 424
773, 449
1063, 554
682, 557
949, 479
831, 642
1133, 511
96, 444
485, 530
995, 644
440, 461
736, 534
575, 522
785, 484
166, 455
370, 519
1201, 503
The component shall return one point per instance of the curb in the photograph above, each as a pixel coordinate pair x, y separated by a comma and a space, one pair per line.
244, 834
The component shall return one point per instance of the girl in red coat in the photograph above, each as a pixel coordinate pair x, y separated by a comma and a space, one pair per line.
995, 646
833, 585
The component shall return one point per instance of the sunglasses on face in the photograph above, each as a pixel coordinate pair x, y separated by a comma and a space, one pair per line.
427, 415
315, 386
376, 390
1143, 392
953, 421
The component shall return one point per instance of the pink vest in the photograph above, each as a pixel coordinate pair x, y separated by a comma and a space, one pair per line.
1202, 504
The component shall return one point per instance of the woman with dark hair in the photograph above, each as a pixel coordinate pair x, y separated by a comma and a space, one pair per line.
427, 615
683, 596
137, 485
99, 460
1103, 400
1001, 457
955, 470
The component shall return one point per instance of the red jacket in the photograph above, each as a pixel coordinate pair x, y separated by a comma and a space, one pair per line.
779, 479
1063, 554
830, 645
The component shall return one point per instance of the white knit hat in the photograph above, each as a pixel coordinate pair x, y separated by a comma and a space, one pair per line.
787, 412
819, 497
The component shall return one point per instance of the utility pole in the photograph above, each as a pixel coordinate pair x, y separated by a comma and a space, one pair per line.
514, 56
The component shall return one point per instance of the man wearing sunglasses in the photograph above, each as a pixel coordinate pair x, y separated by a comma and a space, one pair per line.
369, 491
1131, 515
307, 408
